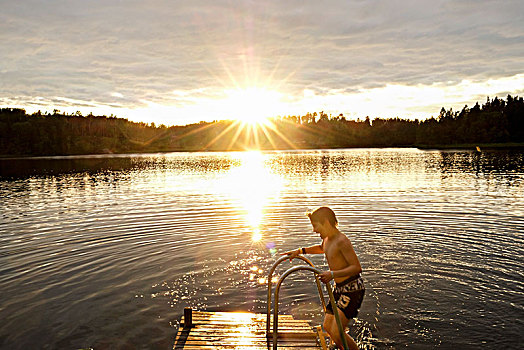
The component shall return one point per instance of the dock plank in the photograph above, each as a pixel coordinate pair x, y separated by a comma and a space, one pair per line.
249, 341
247, 347
253, 324
235, 313
242, 330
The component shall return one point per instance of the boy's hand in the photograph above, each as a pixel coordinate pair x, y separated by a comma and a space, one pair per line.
292, 254
325, 276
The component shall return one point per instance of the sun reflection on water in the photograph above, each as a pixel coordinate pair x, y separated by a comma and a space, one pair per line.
252, 186
257, 236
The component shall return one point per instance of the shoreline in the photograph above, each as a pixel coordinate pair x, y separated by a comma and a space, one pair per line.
441, 147
473, 146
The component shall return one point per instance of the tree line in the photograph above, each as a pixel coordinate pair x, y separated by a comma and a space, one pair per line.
497, 121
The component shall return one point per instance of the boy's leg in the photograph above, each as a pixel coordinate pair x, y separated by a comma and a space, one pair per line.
328, 321
330, 325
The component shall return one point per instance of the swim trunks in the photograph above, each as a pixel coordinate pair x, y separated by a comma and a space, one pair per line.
348, 296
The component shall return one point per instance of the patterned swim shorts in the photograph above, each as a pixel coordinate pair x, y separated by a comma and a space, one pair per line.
348, 296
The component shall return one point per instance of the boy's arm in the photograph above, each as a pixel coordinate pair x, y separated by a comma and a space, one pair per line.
315, 249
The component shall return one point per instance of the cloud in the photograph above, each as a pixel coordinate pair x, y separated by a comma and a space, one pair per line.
123, 53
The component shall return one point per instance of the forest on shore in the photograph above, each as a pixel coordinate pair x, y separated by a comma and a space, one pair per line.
497, 122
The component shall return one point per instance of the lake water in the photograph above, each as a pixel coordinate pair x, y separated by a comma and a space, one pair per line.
105, 252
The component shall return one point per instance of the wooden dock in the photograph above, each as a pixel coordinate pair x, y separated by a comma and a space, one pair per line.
242, 330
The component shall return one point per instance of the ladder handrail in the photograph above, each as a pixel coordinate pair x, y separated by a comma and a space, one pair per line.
270, 282
331, 299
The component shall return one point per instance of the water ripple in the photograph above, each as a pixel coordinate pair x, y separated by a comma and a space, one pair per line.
127, 242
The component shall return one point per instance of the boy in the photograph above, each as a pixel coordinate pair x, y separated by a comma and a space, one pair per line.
344, 268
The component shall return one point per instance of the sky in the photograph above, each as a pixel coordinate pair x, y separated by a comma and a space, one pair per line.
179, 62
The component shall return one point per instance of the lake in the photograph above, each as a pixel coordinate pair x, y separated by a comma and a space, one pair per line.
105, 251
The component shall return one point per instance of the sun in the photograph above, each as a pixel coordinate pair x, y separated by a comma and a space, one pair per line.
247, 119
253, 105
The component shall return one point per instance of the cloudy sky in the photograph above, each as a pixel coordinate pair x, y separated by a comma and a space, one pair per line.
177, 62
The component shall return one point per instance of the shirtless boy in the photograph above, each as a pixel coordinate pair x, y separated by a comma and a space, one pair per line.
344, 268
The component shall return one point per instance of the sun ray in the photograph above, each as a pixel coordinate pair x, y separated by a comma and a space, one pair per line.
216, 138
240, 127
255, 134
282, 136
247, 135
273, 72
244, 93
229, 74
268, 136
197, 130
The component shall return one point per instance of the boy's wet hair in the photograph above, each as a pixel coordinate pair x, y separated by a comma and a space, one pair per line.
323, 213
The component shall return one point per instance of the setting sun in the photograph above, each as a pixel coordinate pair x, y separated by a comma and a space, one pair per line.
253, 105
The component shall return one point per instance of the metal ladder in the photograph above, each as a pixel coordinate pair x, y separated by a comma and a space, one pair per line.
316, 271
